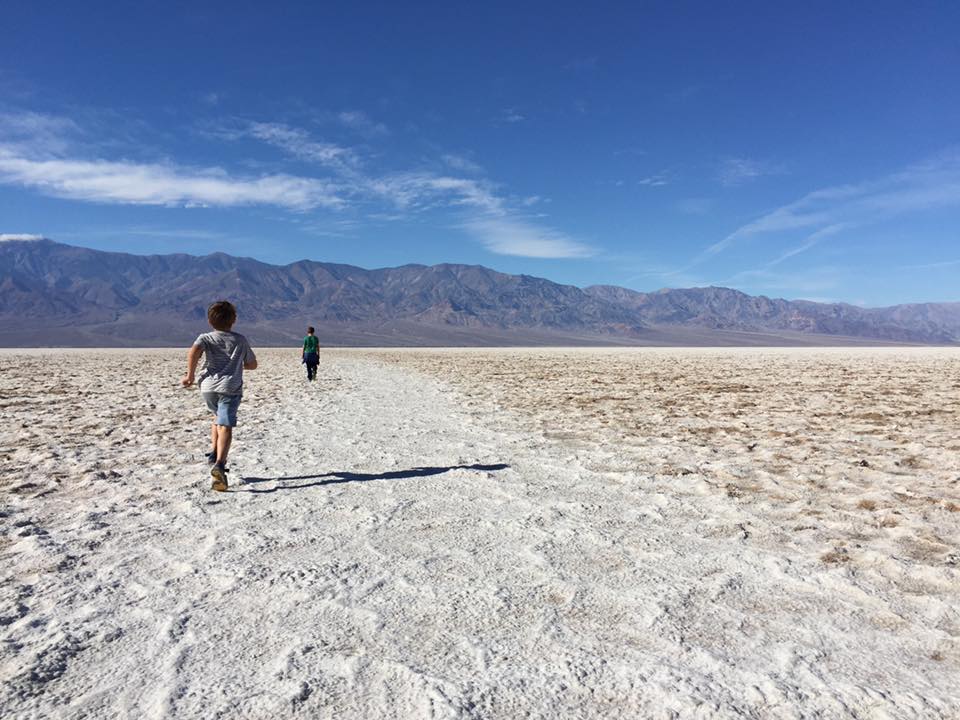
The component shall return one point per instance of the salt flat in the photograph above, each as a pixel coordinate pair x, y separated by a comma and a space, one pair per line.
490, 533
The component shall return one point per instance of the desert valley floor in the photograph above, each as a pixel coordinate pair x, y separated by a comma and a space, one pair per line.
587, 533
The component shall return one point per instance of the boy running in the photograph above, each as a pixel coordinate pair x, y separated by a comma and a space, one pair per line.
226, 355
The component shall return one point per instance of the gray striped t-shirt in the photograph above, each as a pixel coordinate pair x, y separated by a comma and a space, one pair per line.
224, 354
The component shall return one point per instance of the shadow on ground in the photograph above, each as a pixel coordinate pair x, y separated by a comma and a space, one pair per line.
335, 478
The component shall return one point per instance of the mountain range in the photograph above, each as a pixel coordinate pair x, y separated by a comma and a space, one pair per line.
62, 295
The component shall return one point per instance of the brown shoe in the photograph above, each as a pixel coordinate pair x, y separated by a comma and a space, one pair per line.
219, 474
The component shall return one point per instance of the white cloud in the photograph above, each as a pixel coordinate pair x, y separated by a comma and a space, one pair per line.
739, 170
807, 281
924, 186
808, 243
418, 190
299, 144
361, 122
932, 266
155, 184
489, 219
36, 130
62, 170
511, 115
32, 124
459, 162
657, 180
19, 237
509, 236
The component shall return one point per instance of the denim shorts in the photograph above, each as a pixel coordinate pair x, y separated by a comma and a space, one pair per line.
223, 406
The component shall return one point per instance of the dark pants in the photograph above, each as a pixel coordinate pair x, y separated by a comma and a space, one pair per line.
311, 359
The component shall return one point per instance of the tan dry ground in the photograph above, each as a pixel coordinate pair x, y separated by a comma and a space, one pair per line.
850, 453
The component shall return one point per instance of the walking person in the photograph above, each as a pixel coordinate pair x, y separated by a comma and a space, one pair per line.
311, 354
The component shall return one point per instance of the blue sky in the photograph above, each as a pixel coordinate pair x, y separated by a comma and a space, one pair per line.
799, 150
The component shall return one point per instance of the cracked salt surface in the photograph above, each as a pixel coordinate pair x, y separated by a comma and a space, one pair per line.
386, 550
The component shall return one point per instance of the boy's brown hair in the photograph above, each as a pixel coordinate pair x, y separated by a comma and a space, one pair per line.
222, 315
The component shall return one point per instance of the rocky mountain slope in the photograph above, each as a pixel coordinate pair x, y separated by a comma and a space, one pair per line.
725, 309
51, 293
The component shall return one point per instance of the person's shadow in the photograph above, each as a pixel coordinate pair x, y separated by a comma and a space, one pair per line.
335, 478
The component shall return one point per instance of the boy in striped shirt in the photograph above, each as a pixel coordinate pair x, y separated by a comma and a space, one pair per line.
226, 355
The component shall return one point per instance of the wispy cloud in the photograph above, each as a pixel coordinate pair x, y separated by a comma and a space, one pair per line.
461, 163
40, 152
808, 242
422, 190
511, 115
299, 144
658, 180
37, 130
739, 170
932, 266
19, 237
155, 184
44, 158
361, 122
512, 236
489, 217
928, 185
767, 277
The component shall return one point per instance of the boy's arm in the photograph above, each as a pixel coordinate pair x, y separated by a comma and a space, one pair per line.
193, 357
250, 360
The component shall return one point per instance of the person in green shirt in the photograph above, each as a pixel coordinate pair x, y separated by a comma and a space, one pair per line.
311, 354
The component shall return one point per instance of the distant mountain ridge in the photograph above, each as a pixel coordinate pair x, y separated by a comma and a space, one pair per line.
91, 297
725, 309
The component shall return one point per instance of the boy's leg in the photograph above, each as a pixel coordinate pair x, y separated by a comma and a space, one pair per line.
213, 406
226, 419
219, 470
224, 439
